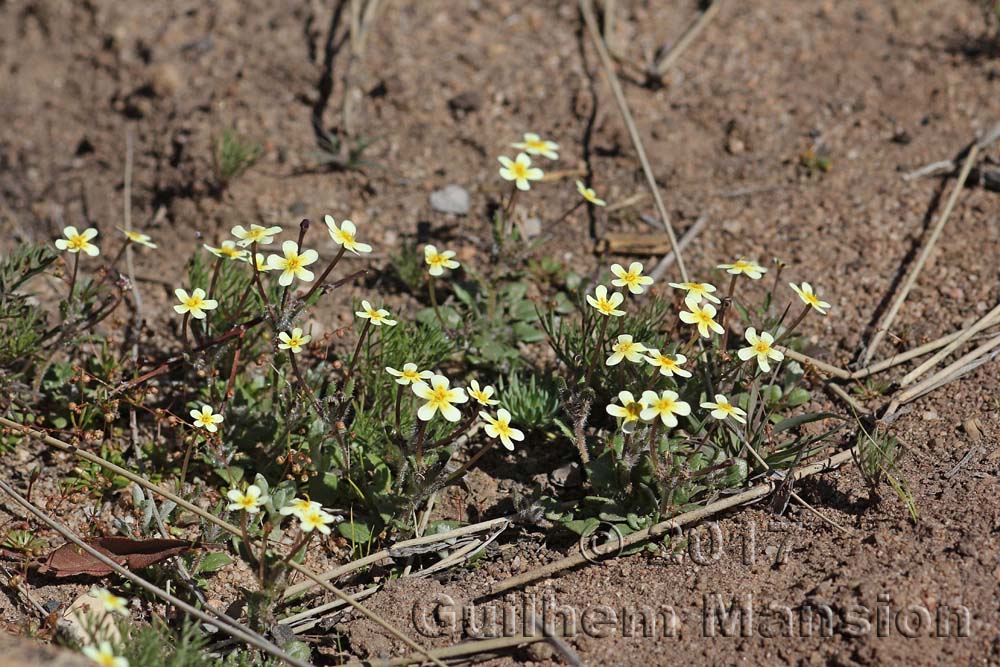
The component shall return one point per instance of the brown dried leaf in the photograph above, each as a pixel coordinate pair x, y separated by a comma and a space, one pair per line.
69, 560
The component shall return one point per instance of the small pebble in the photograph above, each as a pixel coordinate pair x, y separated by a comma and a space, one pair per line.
450, 199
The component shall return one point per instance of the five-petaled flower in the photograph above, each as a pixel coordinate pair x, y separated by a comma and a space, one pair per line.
300, 506
256, 234
760, 347
195, 303
668, 365
626, 348
696, 292
665, 406
344, 235
293, 342
535, 145
249, 501
377, 317
76, 241
751, 270
439, 396
520, 171
604, 304
633, 278
805, 292
629, 411
482, 396
722, 409
703, 316
229, 250
136, 237
499, 427
293, 264
206, 418
409, 374
439, 261
589, 194
111, 602
104, 656
315, 519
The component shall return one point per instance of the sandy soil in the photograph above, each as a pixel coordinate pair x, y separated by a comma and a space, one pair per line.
877, 87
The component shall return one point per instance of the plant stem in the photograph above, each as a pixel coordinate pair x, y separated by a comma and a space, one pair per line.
399, 401
471, 462
184, 335
419, 442
797, 322
597, 349
72, 282
357, 348
434, 302
325, 273
654, 455
300, 545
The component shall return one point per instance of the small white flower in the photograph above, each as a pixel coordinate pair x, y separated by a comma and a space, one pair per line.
482, 396
668, 365
206, 419
344, 235
760, 347
626, 348
604, 304
809, 297
665, 406
439, 261
409, 374
293, 264
703, 316
629, 411
377, 317
535, 145
256, 234
194, 303
136, 237
633, 278
299, 506
250, 501
499, 427
741, 266
111, 602
696, 292
293, 342
722, 409
439, 396
520, 171
104, 656
77, 241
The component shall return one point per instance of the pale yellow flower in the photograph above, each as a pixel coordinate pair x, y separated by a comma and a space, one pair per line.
261, 262
760, 347
204, 418
136, 237
722, 409
300, 506
229, 250
696, 292
704, 317
589, 194
633, 278
104, 656
111, 602
376, 317
439, 396
344, 235
194, 303
535, 145
77, 241
409, 374
629, 411
256, 234
293, 264
604, 304
749, 269
293, 342
665, 406
668, 365
315, 519
625, 348
520, 171
809, 297
482, 396
439, 261
250, 501
499, 427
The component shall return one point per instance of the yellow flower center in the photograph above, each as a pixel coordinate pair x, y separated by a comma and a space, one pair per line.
194, 302
346, 238
741, 266
630, 278
77, 242
633, 410
664, 405
295, 341
666, 362
293, 263
502, 427
437, 260
246, 502
440, 397
605, 306
535, 144
725, 407
760, 347
413, 376
811, 299
703, 316
106, 660
519, 171
625, 347
230, 252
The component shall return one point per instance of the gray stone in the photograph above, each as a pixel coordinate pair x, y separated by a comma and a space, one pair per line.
450, 199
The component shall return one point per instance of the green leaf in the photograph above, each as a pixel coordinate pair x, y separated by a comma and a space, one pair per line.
797, 397
356, 531
582, 526
213, 562
527, 333
799, 420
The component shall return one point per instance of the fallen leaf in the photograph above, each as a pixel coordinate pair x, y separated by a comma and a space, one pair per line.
70, 560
